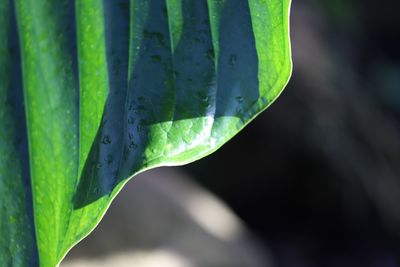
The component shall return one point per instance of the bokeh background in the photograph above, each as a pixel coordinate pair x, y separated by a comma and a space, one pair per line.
313, 181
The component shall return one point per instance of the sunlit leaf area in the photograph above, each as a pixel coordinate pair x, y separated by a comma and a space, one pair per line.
94, 92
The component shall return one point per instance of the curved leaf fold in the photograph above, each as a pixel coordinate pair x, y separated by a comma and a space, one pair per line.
93, 92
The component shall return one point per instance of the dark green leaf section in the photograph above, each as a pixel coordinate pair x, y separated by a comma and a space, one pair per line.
17, 238
112, 88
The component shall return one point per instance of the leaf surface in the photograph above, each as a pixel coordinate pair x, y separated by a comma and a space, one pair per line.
93, 92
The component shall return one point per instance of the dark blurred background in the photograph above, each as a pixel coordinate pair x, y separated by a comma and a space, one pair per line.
316, 178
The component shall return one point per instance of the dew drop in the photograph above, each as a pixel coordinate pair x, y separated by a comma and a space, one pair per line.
232, 60
239, 111
96, 190
131, 120
109, 159
155, 59
140, 126
239, 99
187, 139
210, 54
106, 140
132, 145
203, 97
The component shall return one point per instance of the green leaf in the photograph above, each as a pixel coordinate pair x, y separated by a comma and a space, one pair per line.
92, 92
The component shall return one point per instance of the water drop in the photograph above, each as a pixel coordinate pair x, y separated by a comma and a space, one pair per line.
203, 96
109, 159
239, 99
131, 106
140, 126
132, 145
155, 59
125, 154
187, 139
210, 54
106, 140
232, 60
131, 120
96, 190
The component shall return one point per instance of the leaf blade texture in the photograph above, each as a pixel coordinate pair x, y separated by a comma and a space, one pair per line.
93, 92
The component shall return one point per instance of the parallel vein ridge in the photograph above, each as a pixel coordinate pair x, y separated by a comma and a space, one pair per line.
93, 92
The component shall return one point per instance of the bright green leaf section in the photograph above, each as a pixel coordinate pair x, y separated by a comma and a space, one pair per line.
112, 88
